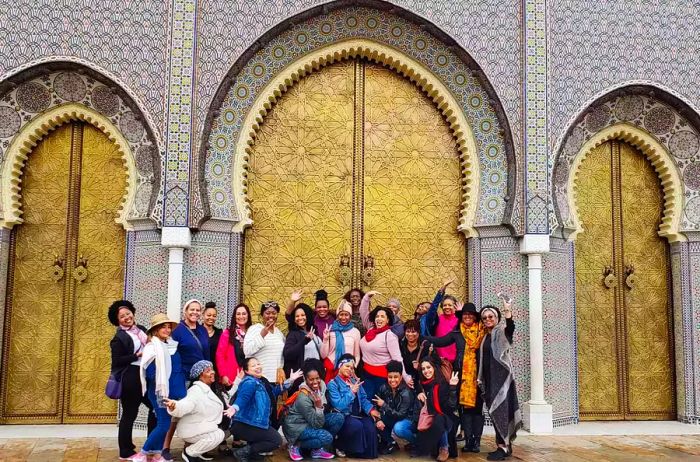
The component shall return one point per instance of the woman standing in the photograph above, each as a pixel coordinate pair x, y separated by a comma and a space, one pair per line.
127, 348
209, 316
358, 435
443, 324
162, 378
414, 348
354, 296
191, 337
379, 346
252, 409
229, 353
302, 342
266, 342
343, 337
496, 378
323, 318
467, 336
440, 400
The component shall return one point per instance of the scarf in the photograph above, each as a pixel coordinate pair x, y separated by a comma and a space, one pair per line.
157, 350
372, 333
436, 391
338, 328
134, 330
240, 334
473, 336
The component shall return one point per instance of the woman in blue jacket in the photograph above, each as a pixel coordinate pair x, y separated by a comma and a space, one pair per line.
251, 411
358, 435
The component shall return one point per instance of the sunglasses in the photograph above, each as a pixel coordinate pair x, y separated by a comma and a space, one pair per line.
488, 317
270, 305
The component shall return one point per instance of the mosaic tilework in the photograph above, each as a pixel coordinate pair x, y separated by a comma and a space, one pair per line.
682, 317
692, 330
235, 271
147, 274
206, 271
180, 96
31, 96
535, 131
489, 30
127, 39
559, 323
383, 27
665, 123
4, 266
503, 269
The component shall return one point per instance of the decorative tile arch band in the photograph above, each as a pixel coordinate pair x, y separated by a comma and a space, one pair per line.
28, 138
659, 158
360, 48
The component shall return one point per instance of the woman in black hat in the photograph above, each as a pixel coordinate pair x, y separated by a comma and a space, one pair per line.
467, 335
127, 347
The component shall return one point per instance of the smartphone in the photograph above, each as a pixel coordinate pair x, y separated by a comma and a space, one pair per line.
503, 297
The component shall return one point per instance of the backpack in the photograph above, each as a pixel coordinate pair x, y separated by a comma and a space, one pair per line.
288, 403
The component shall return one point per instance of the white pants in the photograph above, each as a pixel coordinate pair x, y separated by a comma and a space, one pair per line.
204, 443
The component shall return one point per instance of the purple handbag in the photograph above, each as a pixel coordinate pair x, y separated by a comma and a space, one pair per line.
113, 389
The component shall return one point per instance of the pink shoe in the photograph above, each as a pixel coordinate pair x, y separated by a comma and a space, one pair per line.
158, 458
295, 453
321, 454
139, 457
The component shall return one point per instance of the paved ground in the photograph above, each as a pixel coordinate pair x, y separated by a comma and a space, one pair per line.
528, 448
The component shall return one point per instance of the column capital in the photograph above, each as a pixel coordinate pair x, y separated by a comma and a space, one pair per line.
534, 243
176, 236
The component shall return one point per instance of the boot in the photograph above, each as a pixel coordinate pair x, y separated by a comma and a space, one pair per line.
242, 454
476, 444
468, 444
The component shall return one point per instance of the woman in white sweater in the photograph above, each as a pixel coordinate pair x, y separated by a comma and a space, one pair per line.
266, 342
199, 412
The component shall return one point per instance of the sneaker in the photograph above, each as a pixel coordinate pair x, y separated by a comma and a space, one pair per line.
139, 457
321, 454
340, 453
158, 458
188, 458
443, 454
167, 457
295, 453
242, 454
498, 454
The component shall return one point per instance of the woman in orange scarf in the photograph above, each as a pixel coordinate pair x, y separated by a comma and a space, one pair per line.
467, 335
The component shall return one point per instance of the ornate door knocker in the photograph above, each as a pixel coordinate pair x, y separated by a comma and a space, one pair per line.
631, 278
368, 275
344, 272
57, 271
609, 277
80, 273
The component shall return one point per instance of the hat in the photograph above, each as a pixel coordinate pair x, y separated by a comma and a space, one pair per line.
344, 306
199, 367
469, 308
159, 319
493, 309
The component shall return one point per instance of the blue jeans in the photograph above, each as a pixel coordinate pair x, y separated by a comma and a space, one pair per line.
403, 429
154, 442
315, 438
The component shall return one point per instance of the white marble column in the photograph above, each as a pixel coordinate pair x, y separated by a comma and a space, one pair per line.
537, 414
176, 239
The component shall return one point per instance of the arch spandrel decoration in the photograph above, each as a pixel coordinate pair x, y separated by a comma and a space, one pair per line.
668, 139
32, 133
403, 42
37, 100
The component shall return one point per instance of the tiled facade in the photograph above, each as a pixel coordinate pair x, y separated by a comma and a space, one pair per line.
535, 79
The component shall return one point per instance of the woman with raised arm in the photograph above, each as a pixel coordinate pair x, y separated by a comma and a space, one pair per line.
302, 342
342, 337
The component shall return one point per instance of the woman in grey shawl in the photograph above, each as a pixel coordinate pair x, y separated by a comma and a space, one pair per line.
496, 378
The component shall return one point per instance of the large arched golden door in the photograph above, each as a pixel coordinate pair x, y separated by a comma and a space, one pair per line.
66, 266
354, 161
625, 343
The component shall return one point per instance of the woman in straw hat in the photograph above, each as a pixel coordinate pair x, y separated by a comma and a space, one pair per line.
162, 378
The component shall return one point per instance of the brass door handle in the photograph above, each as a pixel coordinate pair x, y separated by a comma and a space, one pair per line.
57, 271
80, 273
368, 273
630, 278
344, 272
609, 277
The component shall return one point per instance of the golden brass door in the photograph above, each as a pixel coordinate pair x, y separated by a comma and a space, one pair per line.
625, 343
66, 267
354, 161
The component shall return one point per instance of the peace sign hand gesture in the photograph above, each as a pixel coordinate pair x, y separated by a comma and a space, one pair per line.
355, 387
326, 332
454, 380
310, 334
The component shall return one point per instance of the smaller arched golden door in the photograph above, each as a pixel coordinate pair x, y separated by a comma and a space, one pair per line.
623, 311
66, 266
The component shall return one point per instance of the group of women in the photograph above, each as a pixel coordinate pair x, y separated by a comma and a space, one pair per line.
357, 381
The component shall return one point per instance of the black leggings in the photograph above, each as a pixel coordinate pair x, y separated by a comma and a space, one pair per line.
131, 399
472, 422
258, 439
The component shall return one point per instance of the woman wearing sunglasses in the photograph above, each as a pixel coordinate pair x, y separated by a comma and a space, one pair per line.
496, 378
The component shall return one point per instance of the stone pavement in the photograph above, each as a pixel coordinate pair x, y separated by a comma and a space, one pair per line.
527, 448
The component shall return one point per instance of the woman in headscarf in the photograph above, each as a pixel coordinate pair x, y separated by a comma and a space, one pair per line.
162, 378
127, 347
266, 342
496, 378
467, 336
379, 346
229, 354
302, 342
342, 337
358, 435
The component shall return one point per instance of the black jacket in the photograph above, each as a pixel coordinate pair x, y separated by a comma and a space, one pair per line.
446, 397
454, 336
293, 352
397, 406
122, 347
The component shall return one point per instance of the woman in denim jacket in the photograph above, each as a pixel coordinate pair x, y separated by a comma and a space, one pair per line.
358, 435
252, 408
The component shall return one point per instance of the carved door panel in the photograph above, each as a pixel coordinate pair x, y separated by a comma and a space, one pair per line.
56, 342
623, 316
354, 162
